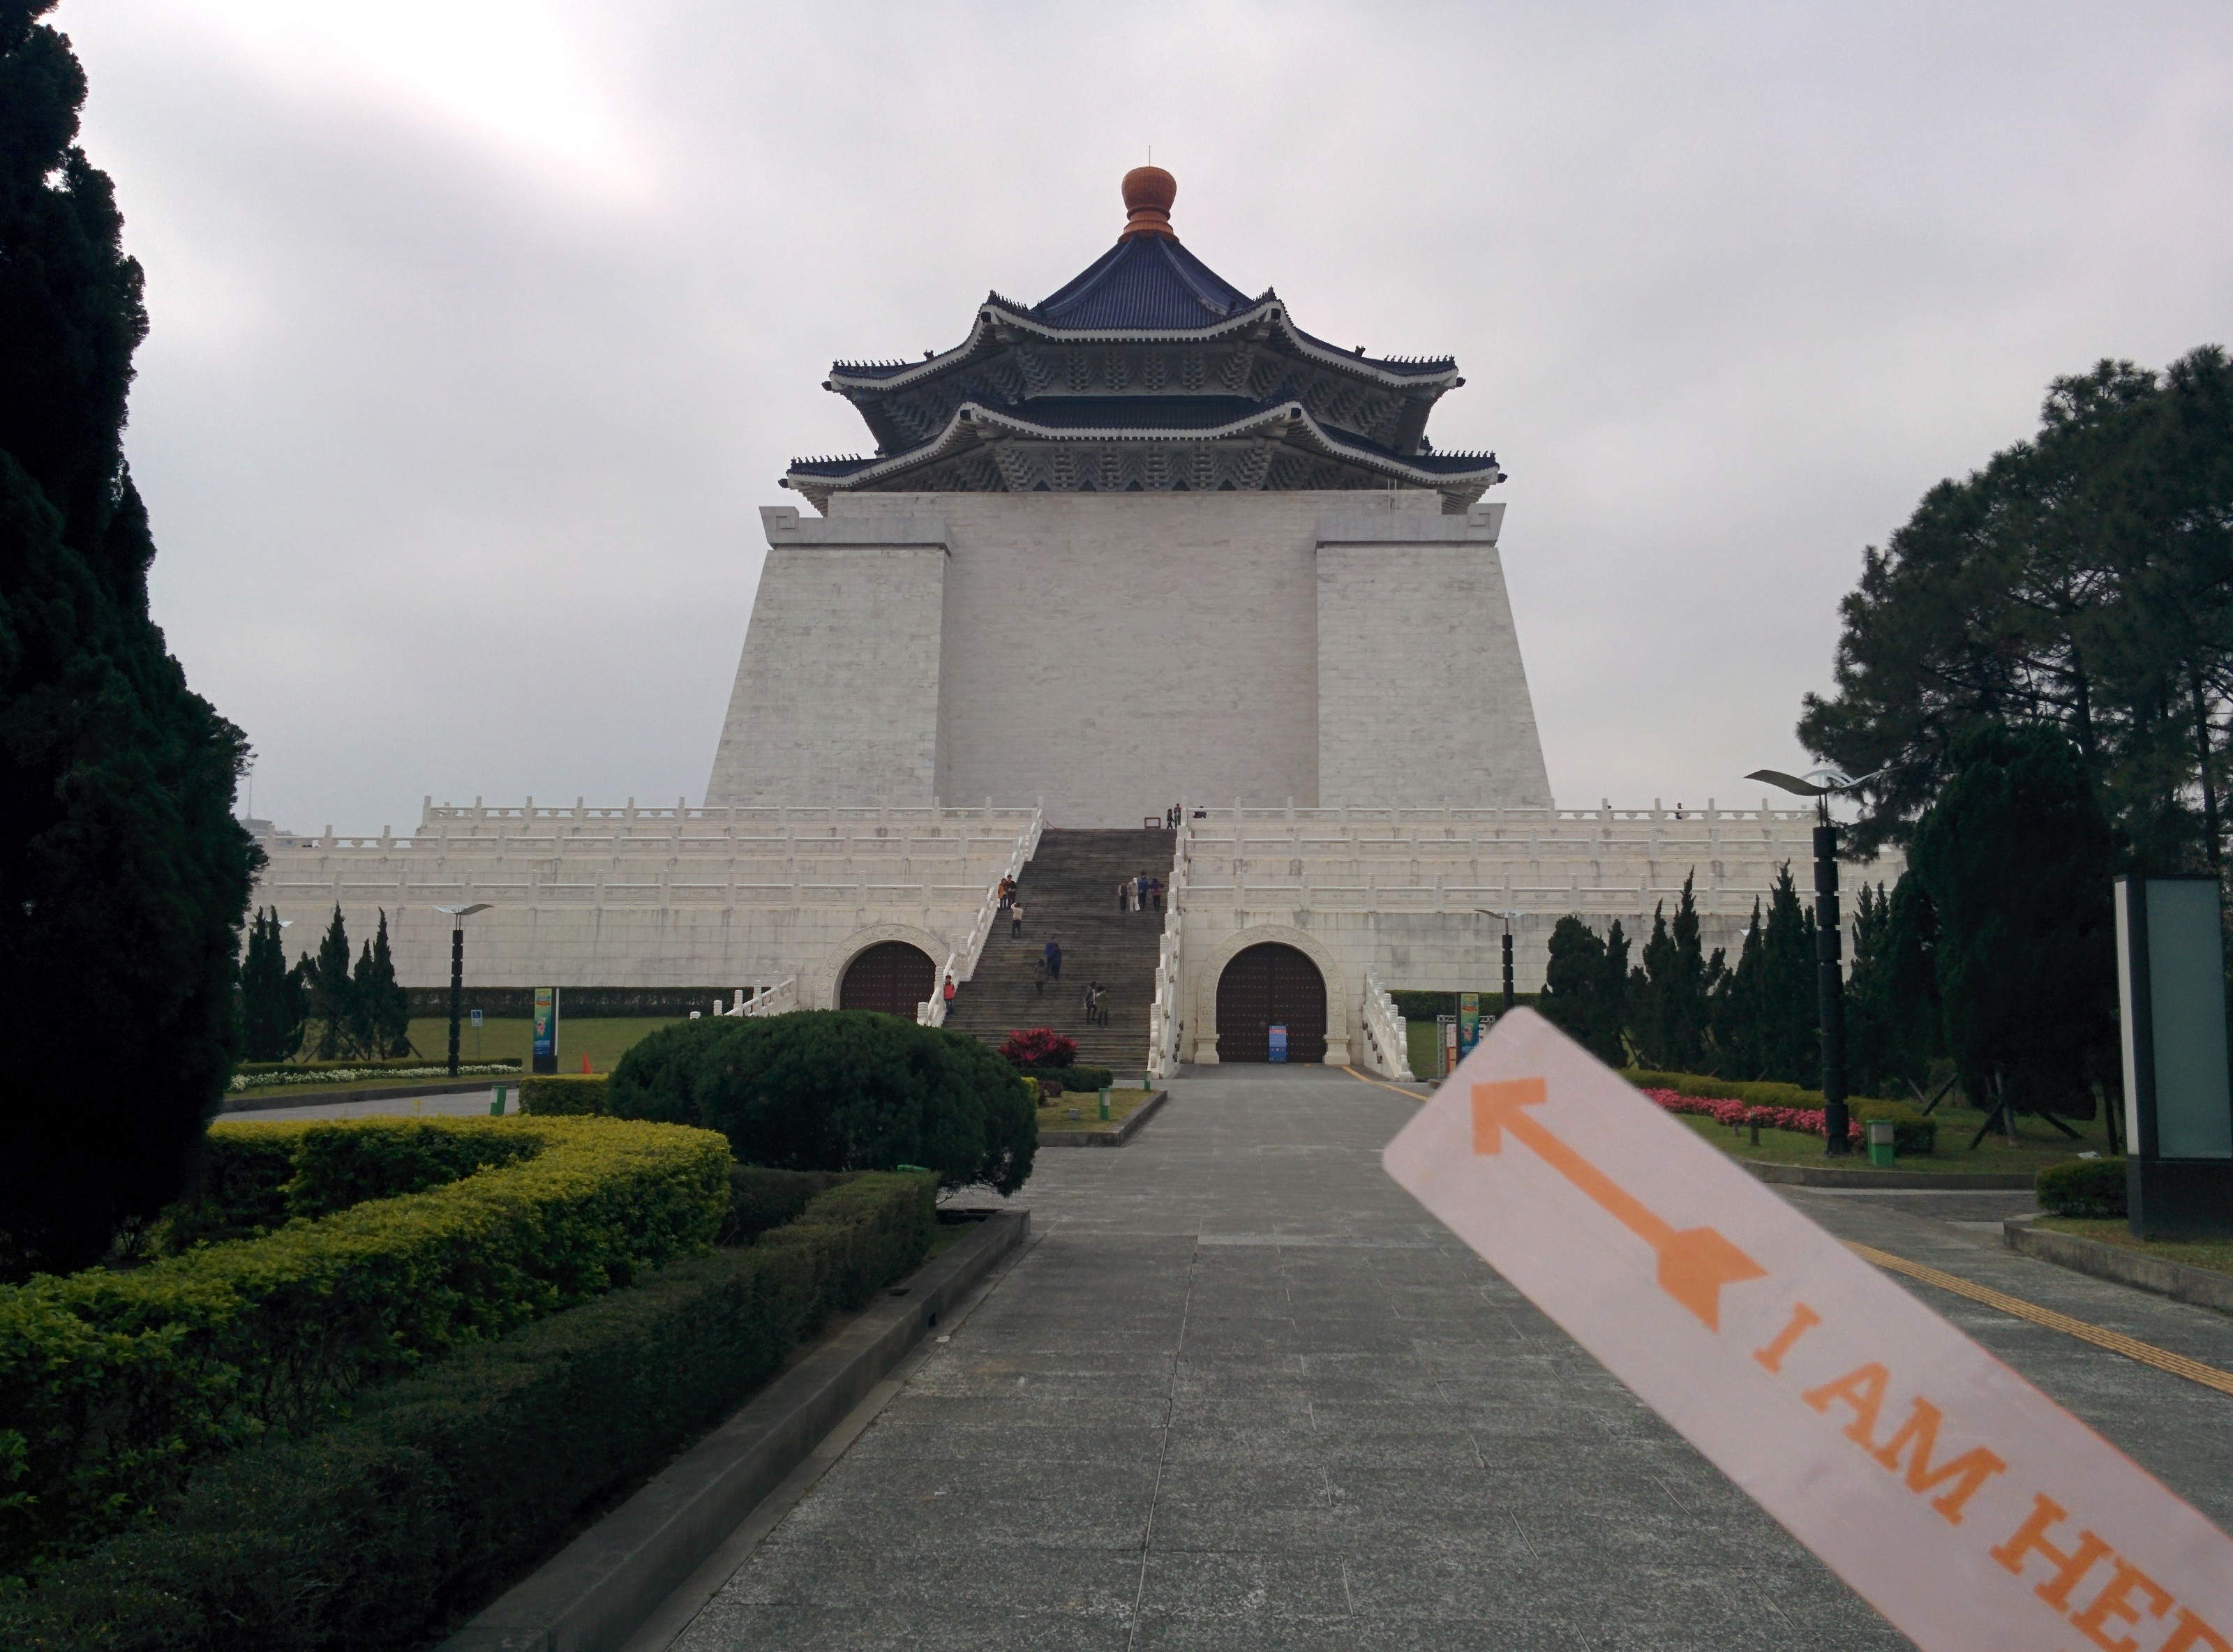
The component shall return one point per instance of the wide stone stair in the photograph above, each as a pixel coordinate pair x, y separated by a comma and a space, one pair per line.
1069, 890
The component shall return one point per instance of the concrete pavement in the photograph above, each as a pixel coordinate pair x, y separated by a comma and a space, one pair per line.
1242, 1391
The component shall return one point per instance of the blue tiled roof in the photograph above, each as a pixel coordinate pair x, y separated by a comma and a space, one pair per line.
1149, 283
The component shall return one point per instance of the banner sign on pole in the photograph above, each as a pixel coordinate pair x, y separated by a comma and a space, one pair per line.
1960, 1502
546, 1029
1278, 1041
1469, 1022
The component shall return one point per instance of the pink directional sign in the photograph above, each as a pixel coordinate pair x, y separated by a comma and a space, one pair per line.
1969, 1508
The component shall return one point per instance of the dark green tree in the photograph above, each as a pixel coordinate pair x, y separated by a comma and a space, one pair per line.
1670, 995
2017, 860
274, 1005
124, 879
2082, 581
361, 1039
1767, 1014
379, 1006
332, 992
1585, 987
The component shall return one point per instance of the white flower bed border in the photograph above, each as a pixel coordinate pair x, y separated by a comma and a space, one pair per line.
351, 1075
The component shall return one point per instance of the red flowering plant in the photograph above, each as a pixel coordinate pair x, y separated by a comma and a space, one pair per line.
1041, 1047
1807, 1120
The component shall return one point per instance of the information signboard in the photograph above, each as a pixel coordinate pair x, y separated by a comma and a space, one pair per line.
546, 1029
1469, 1022
1278, 1041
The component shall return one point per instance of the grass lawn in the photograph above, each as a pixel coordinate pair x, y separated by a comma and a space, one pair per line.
604, 1041
2038, 1145
1122, 1103
2215, 1254
1419, 1041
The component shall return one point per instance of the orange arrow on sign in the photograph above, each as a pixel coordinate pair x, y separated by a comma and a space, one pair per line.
1695, 1263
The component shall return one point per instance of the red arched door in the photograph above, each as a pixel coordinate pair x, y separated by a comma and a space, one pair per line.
891, 976
1269, 984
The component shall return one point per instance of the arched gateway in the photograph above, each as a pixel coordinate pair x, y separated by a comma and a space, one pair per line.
891, 976
1268, 985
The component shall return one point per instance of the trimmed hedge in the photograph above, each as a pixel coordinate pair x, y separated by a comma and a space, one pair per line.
565, 1094
113, 1384
760, 1199
381, 1531
1913, 1133
1063, 1078
2083, 1187
837, 1089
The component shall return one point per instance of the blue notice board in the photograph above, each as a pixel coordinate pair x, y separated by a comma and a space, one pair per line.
1279, 1042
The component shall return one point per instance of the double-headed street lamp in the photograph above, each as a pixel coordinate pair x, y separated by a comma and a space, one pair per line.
1829, 941
458, 916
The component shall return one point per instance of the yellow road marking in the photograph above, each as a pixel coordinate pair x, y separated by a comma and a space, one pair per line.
1409, 1096
2116, 1342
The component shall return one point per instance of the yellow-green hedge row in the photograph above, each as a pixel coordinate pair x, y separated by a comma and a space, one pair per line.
378, 1533
112, 1383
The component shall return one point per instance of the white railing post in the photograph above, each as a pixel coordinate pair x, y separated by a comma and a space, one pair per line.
1386, 1038
1166, 1016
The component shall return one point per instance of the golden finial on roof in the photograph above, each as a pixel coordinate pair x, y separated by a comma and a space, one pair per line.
1149, 192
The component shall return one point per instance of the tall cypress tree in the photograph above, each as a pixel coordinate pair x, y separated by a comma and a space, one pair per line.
332, 992
124, 879
1669, 996
391, 1004
273, 1008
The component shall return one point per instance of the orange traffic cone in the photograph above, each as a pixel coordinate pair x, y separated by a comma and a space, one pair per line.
585, 1063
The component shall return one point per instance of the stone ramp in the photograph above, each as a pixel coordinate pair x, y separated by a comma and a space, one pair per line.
1070, 890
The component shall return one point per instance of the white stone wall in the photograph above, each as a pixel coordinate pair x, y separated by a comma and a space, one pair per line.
715, 897
1422, 696
1113, 653
838, 692
1396, 890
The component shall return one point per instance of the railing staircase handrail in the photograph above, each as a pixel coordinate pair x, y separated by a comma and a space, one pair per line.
961, 963
1166, 1016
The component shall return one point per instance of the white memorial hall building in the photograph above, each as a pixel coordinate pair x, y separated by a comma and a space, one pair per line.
1146, 543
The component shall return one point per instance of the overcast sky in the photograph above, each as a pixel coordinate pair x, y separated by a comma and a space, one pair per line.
482, 330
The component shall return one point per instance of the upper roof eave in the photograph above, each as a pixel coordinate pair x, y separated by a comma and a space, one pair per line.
1480, 468
1436, 372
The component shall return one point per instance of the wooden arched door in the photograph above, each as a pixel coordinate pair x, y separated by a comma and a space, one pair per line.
1266, 985
891, 976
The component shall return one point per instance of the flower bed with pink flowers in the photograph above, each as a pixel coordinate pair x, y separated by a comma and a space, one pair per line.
1807, 1121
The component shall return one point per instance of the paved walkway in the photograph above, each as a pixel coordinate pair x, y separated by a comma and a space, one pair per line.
1242, 1391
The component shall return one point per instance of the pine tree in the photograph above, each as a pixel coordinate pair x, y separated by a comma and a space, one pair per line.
1737, 1041
2017, 860
1585, 987
364, 1005
331, 990
1669, 996
388, 1014
124, 879
272, 1002
1789, 1005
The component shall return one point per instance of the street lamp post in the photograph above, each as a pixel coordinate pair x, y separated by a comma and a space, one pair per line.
1507, 917
1829, 944
458, 916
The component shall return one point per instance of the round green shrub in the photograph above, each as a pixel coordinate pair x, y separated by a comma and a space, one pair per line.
837, 1089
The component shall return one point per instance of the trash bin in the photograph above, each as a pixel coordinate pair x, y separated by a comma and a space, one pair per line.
1880, 1142
1104, 1103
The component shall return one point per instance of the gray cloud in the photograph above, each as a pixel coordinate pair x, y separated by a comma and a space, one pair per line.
466, 380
